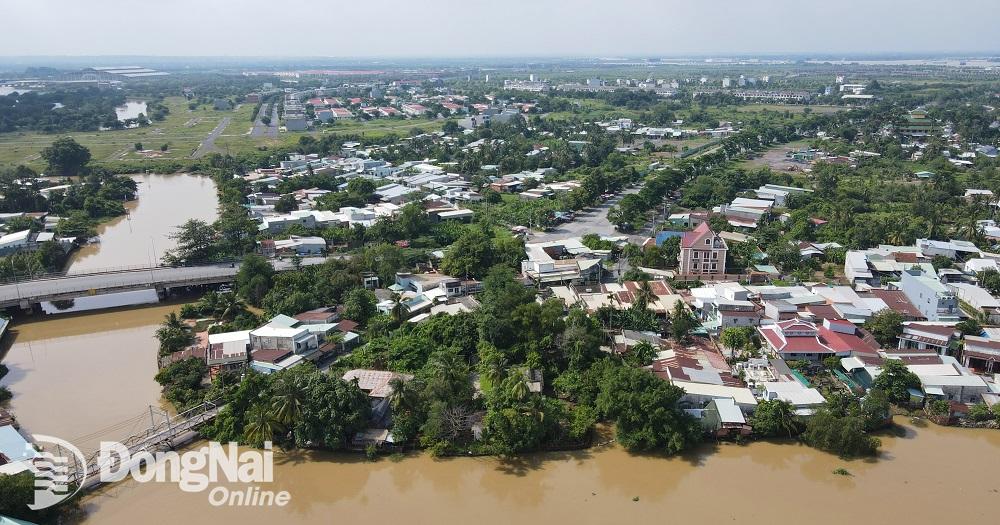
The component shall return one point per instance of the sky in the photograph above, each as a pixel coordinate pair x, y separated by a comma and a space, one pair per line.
471, 28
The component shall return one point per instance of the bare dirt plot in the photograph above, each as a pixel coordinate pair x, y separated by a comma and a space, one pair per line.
775, 158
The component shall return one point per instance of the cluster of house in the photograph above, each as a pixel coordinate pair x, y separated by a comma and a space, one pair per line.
393, 100
281, 343
27, 240
918, 128
438, 192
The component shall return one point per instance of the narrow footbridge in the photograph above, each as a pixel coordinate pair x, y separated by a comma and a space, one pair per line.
168, 433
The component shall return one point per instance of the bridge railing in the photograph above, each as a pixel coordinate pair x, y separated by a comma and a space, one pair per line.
6, 277
155, 435
151, 277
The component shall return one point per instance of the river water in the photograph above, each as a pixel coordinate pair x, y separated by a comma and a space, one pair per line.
141, 237
925, 475
85, 377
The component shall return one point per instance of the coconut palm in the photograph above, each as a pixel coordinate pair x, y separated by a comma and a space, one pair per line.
517, 386
644, 295
230, 305
172, 320
399, 308
286, 404
493, 369
260, 425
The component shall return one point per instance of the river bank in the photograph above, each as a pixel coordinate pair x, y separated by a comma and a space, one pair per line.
780, 483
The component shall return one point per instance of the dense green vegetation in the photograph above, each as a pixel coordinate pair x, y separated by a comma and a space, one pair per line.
79, 110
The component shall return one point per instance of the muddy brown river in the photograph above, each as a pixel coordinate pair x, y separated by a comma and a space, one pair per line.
925, 475
142, 236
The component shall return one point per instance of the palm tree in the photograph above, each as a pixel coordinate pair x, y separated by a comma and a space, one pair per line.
493, 369
172, 320
402, 396
260, 426
644, 295
399, 308
517, 385
287, 403
231, 306
786, 418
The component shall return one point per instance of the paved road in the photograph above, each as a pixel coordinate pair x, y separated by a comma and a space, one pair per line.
262, 130
11, 294
208, 145
594, 220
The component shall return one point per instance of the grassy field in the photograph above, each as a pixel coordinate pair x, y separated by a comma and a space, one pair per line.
184, 130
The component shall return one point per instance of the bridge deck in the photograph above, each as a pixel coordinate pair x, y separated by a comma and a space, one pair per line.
70, 286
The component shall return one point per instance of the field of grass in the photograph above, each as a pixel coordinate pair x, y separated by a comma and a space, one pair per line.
184, 130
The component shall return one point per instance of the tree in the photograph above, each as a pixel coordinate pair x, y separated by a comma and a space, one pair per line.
841, 435
969, 326
737, 337
182, 382
195, 243
261, 426
333, 411
774, 418
681, 322
286, 203
173, 335
645, 411
641, 354
399, 308
469, 256
885, 326
65, 157
990, 280
896, 380
288, 400
254, 278
875, 409
360, 305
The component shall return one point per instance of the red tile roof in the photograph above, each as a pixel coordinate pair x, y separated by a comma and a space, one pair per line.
690, 238
897, 302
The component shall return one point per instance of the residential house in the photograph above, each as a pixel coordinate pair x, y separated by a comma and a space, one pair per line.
981, 354
937, 338
702, 252
16, 453
803, 340
979, 299
564, 261
934, 300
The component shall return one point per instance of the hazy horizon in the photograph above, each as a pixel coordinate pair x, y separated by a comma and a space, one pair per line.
399, 29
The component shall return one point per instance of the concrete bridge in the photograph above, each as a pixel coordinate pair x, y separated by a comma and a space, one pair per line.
26, 294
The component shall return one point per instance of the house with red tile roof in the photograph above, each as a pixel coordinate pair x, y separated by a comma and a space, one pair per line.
703, 252
803, 340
